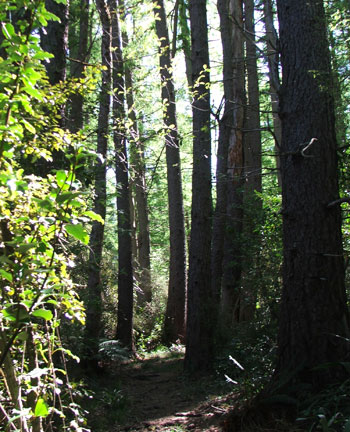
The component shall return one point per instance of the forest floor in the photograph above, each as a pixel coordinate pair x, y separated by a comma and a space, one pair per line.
155, 395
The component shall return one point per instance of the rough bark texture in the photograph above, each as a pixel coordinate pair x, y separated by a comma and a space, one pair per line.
94, 285
226, 123
199, 325
232, 261
55, 41
314, 317
77, 69
252, 173
174, 325
185, 37
274, 79
125, 271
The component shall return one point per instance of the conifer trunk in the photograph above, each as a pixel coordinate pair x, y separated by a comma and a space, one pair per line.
78, 67
174, 326
199, 334
314, 319
55, 41
94, 284
125, 270
226, 131
137, 158
252, 174
232, 260
274, 80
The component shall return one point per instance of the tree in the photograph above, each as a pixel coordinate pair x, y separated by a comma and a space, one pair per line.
55, 41
232, 259
174, 324
274, 79
78, 67
185, 38
142, 260
94, 284
125, 270
314, 320
199, 305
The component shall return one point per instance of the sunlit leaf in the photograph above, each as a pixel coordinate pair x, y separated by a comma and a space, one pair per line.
78, 232
94, 216
28, 126
41, 409
8, 30
43, 313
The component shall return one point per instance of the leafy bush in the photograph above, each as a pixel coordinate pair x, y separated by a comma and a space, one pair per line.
39, 216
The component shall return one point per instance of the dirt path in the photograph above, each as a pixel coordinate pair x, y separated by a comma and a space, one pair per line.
159, 397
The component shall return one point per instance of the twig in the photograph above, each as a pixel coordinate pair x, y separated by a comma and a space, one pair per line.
338, 201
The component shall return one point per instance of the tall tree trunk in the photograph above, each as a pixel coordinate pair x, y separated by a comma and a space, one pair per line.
232, 261
125, 271
94, 284
185, 37
252, 173
274, 80
143, 273
174, 325
314, 320
199, 347
55, 41
226, 132
77, 69
144, 277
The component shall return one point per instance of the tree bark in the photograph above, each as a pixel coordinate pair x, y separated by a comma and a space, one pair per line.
94, 284
226, 131
55, 41
274, 79
77, 100
174, 325
185, 37
232, 260
252, 173
143, 272
199, 347
314, 319
125, 270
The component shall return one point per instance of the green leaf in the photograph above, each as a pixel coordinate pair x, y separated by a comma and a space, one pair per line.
94, 216
43, 313
42, 55
8, 30
16, 313
61, 178
6, 275
66, 196
41, 409
22, 336
33, 92
24, 247
28, 126
78, 232
46, 204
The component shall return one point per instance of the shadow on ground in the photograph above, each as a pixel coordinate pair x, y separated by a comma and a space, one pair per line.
155, 395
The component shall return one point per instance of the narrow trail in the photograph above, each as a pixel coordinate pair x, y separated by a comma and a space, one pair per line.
161, 398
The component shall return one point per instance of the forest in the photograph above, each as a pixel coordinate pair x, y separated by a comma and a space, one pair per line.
174, 215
